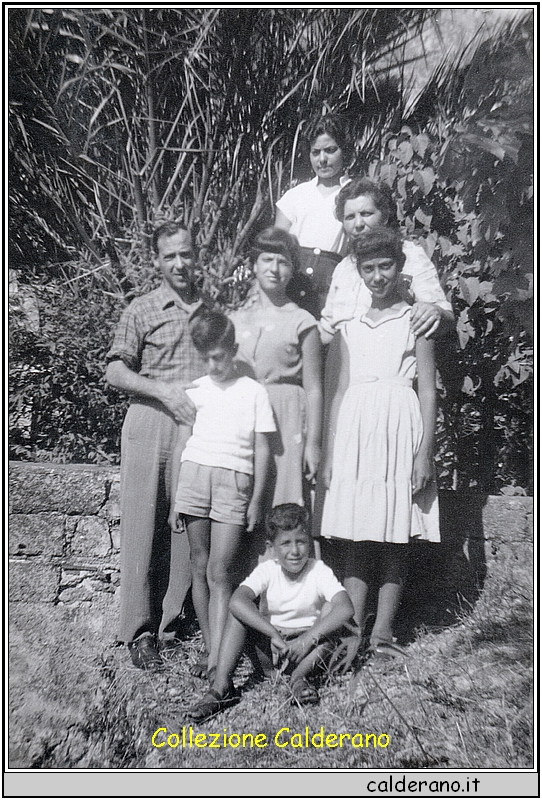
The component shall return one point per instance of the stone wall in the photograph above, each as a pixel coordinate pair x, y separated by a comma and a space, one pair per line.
64, 579
63, 532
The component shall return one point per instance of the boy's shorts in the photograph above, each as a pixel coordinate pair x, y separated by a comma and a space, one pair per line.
215, 493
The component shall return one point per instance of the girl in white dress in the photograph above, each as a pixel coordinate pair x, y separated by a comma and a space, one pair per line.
380, 477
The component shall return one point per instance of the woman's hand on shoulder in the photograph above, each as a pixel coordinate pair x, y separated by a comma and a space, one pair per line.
425, 319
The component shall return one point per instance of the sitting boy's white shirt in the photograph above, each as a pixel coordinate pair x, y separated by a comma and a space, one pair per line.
349, 297
293, 603
227, 417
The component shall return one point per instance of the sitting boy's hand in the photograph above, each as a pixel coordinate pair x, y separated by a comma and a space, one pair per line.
344, 655
278, 644
296, 649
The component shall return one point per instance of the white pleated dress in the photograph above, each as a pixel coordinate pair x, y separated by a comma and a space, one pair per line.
379, 431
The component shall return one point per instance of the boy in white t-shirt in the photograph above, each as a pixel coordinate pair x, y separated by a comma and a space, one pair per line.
222, 474
301, 604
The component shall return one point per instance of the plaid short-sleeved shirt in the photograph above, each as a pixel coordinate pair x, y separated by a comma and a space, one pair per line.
153, 339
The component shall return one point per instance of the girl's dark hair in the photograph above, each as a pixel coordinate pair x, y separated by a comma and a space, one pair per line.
380, 192
286, 517
211, 329
276, 240
380, 243
336, 127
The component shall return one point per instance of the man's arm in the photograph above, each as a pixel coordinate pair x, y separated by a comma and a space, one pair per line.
171, 395
262, 457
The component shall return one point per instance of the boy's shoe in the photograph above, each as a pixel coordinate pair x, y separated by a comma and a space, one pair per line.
144, 654
211, 704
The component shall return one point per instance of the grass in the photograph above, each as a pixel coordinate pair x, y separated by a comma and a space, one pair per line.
462, 700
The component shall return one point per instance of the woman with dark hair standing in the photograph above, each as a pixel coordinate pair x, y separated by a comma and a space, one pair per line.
279, 346
308, 212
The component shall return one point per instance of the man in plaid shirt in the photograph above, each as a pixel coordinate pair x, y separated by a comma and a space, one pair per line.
152, 356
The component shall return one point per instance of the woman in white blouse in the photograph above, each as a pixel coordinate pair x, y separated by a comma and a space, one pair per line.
308, 212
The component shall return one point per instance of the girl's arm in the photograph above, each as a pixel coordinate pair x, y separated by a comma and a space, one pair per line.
244, 608
423, 473
262, 457
311, 352
338, 391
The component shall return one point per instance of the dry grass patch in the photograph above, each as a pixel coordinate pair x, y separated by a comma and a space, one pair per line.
462, 700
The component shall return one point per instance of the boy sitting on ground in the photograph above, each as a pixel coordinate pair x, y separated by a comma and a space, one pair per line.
302, 605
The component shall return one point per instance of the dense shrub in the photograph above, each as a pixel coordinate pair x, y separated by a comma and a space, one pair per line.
60, 408
101, 150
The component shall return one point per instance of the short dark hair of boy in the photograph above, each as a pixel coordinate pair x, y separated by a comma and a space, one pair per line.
286, 517
379, 243
212, 329
167, 229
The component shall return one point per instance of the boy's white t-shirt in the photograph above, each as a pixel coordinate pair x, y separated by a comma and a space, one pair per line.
227, 417
293, 603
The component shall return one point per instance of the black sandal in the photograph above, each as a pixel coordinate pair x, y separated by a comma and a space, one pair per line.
211, 704
387, 651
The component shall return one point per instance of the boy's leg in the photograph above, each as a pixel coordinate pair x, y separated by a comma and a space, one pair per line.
199, 536
231, 646
225, 541
393, 571
316, 659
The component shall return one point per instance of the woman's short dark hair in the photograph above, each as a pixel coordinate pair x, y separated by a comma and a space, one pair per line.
380, 192
210, 329
380, 243
276, 240
286, 517
336, 127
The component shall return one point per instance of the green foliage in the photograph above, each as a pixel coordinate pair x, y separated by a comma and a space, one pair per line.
462, 173
60, 408
122, 117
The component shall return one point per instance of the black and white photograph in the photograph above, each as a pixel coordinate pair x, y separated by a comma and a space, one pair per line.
289, 249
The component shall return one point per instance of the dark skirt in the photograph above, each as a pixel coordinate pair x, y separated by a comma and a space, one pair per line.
309, 287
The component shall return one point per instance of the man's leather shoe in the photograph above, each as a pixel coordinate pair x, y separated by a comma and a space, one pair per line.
144, 654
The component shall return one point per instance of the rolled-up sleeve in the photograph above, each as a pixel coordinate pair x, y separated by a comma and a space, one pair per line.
425, 285
127, 343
